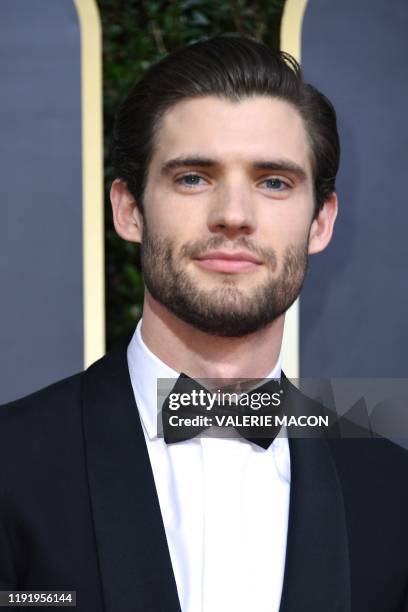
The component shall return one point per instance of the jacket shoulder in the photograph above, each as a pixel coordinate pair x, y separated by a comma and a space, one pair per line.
374, 472
36, 428
375, 455
58, 396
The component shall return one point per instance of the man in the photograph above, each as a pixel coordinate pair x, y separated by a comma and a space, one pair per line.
226, 165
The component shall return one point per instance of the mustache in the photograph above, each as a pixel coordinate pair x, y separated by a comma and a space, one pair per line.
197, 248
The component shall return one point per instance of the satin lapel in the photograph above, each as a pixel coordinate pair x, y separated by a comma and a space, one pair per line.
134, 559
317, 572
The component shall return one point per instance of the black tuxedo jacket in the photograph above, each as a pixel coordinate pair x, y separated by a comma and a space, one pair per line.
79, 509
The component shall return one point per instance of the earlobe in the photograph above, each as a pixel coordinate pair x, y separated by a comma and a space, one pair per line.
321, 229
127, 217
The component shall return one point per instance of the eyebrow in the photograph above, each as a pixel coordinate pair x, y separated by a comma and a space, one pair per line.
182, 162
273, 165
282, 165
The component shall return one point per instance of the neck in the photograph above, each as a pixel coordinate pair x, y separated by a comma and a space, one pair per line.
187, 349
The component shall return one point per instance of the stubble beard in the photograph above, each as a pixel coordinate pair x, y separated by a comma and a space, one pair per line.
225, 310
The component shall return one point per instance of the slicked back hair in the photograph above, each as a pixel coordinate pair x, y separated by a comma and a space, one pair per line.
229, 67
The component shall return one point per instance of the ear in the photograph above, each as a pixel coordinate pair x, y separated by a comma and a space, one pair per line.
127, 218
321, 229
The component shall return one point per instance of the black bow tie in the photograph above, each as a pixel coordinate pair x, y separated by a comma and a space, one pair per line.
190, 408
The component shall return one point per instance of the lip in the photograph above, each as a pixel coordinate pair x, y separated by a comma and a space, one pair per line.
229, 262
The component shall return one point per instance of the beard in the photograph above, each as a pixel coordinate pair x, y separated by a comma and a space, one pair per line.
225, 310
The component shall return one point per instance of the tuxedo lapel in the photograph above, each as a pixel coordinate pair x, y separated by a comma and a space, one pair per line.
134, 560
317, 571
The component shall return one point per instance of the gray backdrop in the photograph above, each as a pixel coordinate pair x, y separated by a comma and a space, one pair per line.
354, 305
41, 328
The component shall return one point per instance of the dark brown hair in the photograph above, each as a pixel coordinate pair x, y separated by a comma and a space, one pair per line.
230, 67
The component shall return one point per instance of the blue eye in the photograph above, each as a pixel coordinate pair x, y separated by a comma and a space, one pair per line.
190, 180
275, 184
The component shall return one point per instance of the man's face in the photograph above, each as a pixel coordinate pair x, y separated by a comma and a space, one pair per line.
228, 207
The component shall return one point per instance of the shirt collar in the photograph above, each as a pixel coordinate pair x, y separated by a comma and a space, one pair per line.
145, 368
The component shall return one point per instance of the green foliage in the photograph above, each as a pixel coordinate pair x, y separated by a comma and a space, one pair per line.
136, 34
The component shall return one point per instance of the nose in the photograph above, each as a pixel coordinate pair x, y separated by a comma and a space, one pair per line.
232, 212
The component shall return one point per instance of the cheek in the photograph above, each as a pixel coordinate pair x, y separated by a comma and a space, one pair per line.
292, 220
159, 213
170, 221
293, 234
286, 230
173, 214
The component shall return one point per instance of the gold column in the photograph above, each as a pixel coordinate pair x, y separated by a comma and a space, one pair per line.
291, 42
92, 180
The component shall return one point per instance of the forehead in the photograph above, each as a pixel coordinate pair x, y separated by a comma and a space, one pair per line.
254, 128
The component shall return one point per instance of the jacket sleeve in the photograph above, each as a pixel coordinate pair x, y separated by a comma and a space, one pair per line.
8, 578
405, 604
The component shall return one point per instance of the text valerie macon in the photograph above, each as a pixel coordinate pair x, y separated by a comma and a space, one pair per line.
249, 420
201, 408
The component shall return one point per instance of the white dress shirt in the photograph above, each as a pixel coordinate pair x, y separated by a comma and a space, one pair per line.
224, 503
